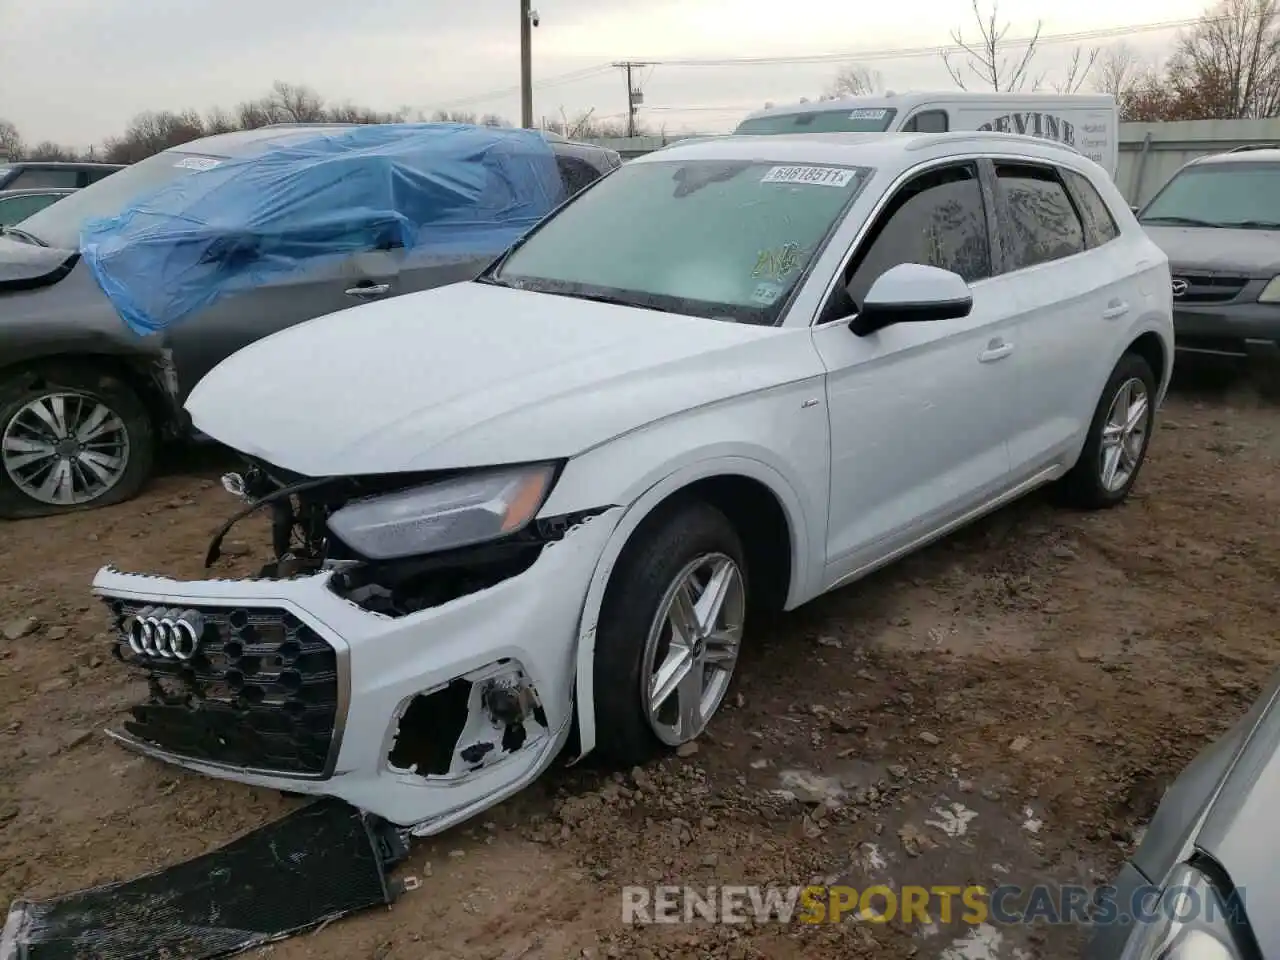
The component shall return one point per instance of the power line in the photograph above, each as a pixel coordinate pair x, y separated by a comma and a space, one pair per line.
935, 50
899, 53
725, 109
553, 81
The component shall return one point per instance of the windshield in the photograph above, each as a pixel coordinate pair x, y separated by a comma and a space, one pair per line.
1234, 194
862, 120
727, 239
59, 225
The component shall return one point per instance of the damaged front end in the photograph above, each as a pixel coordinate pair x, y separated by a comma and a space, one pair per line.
409, 648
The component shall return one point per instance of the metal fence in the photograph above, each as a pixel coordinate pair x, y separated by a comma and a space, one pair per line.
1150, 153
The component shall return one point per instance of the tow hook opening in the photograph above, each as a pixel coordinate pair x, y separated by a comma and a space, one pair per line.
470, 723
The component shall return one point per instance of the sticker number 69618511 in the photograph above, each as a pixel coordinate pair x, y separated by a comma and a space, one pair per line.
819, 176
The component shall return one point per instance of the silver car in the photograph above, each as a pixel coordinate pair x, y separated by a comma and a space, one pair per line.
1204, 882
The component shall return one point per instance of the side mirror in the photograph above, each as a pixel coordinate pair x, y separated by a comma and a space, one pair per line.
912, 293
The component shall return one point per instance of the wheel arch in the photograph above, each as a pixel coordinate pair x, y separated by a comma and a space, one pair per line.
1151, 348
742, 488
141, 375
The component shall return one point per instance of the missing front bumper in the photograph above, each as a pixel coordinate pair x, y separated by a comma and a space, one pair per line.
520, 636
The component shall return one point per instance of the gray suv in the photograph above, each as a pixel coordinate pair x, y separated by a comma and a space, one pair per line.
1218, 220
84, 401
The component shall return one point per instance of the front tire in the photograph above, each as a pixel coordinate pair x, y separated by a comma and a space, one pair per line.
70, 439
1119, 433
669, 633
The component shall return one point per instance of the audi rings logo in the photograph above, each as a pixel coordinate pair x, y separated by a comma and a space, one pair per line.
170, 634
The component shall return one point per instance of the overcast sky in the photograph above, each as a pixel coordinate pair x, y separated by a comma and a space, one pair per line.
75, 71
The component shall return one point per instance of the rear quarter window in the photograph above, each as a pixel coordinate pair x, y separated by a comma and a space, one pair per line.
1099, 224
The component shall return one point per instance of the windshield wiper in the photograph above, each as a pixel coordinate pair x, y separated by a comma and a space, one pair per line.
1252, 225
21, 235
1180, 221
609, 298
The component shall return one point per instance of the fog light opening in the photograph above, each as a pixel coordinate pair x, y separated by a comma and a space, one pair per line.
473, 722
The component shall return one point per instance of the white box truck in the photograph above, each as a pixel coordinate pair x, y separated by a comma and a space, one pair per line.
1088, 122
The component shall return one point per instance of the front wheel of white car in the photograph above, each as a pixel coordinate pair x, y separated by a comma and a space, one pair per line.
1116, 447
669, 634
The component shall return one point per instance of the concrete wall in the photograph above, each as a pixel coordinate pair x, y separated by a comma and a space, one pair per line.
1150, 153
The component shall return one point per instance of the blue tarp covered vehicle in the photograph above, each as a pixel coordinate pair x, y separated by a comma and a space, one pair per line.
444, 189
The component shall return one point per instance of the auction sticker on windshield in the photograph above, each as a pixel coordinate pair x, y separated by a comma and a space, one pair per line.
819, 176
868, 114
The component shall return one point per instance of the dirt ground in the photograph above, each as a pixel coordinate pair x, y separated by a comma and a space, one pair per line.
1006, 706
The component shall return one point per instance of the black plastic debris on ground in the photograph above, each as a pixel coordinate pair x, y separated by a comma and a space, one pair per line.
319, 863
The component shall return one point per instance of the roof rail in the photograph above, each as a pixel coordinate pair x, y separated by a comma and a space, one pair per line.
986, 136
1246, 147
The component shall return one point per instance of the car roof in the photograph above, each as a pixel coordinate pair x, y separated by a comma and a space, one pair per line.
239, 142
1267, 154
905, 101
61, 164
862, 149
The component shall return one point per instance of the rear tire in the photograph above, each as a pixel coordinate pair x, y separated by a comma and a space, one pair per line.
677, 563
90, 428
1119, 433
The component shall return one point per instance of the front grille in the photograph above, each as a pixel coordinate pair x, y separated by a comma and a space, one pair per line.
1207, 288
261, 689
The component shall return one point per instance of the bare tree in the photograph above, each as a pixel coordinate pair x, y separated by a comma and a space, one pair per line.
293, 103
855, 81
152, 132
219, 120
453, 116
1120, 68
10, 141
48, 150
351, 113
587, 126
986, 63
1082, 63
1228, 64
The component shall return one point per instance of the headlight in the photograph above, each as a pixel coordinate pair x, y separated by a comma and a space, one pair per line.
1271, 292
1190, 922
453, 513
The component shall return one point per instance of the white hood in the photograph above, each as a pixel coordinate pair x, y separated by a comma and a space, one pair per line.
473, 374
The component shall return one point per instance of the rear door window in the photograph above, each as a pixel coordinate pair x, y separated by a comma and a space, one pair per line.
1041, 224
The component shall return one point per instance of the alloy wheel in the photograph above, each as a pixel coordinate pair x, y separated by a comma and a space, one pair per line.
1124, 435
692, 648
65, 449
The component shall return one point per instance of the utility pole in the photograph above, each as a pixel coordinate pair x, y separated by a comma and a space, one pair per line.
528, 20
635, 96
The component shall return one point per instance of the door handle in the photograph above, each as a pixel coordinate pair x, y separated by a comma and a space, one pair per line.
369, 291
1115, 310
996, 350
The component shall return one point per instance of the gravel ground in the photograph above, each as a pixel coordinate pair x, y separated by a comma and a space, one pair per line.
1006, 706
